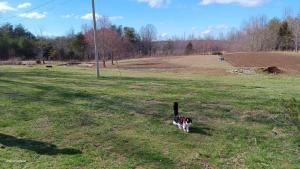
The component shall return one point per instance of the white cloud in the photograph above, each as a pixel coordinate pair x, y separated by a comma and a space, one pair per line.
214, 29
4, 7
24, 5
67, 16
33, 15
247, 3
115, 17
163, 35
221, 27
156, 3
206, 32
45, 33
89, 16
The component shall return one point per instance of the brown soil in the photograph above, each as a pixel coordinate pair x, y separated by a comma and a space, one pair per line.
285, 62
147, 64
195, 64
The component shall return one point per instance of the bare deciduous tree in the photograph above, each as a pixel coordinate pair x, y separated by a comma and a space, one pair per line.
295, 27
148, 34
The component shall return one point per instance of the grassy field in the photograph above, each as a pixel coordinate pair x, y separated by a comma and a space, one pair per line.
64, 118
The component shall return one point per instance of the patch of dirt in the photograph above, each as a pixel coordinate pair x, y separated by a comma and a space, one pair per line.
248, 115
206, 165
152, 102
237, 161
139, 167
42, 124
31, 63
150, 64
284, 62
80, 64
278, 133
202, 71
197, 61
193, 64
88, 65
11, 62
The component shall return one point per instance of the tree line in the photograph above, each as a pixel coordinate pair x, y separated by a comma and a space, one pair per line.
16, 41
114, 42
259, 34
118, 42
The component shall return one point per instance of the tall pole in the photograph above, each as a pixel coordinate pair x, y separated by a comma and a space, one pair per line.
95, 40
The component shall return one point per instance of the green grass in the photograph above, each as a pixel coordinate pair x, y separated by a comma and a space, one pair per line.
64, 118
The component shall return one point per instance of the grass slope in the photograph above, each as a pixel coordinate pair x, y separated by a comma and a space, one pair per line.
64, 118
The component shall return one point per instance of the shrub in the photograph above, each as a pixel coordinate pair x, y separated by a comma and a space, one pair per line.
217, 53
189, 49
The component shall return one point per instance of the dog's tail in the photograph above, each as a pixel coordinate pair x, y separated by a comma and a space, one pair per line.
175, 108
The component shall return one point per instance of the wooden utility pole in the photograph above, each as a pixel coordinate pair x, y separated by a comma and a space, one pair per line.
95, 41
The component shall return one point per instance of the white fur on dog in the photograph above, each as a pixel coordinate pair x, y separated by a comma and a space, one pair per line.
185, 126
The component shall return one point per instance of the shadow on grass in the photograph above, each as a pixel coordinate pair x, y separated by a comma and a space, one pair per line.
141, 150
201, 130
39, 147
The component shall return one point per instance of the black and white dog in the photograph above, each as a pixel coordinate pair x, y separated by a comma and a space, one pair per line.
181, 121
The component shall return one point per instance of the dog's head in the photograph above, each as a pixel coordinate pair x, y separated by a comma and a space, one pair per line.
189, 121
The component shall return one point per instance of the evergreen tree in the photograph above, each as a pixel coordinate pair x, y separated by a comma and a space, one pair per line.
272, 34
189, 49
79, 46
285, 37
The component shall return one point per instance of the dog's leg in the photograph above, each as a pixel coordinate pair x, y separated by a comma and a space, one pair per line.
184, 127
188, 127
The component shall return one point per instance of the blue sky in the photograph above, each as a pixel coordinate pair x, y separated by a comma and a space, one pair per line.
170, 17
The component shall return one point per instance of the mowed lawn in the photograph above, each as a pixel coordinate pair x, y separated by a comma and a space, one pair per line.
64, 118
